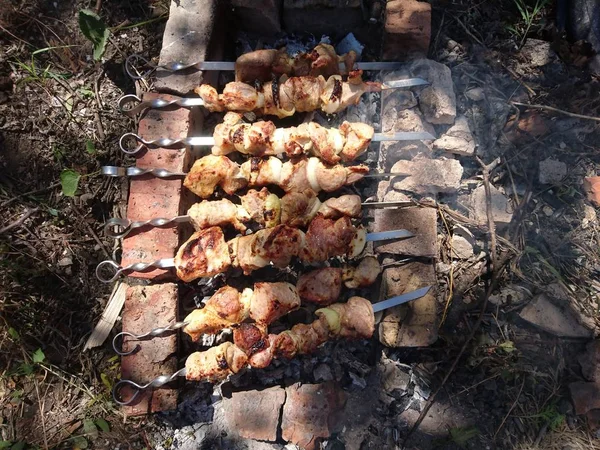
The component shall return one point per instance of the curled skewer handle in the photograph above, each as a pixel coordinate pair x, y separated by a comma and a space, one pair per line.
137, 388
126, 226
137, 337
115, 270
131, 104
113, 171
161, 142
131, 67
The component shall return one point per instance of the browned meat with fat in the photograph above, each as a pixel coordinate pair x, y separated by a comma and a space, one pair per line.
278, 244
251, 338
204, 254
270, 301
217, 213
299, 208
326, 238
356, 317
216, 363
345, 205
321, 286
362, 275
211, 171
357, 137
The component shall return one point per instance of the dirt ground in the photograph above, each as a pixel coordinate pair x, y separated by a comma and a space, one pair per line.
58, 111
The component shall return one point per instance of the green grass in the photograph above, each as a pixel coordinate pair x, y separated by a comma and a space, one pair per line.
529, 14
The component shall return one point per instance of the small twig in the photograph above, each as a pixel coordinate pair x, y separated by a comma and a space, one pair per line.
92, 232
41, 408
20, 221
464, 27
36, 191
551, 108
510, 410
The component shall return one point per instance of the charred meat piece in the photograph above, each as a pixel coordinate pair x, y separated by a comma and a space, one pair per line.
298, 209
227, 307
278, 244
327, 238
345, 205
321, 286
216, 363
251, 338
204, 254
211, 171
363, 275
337, 95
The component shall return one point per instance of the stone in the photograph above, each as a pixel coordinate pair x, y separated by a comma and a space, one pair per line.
501, 207
589, 217
458, 139
552, 171
585, 396
323, 373
413, 324
311, 412
396, 196
262, 16
151, 197
187, 40
591, 186
536, 53
461, 247
255, 414
428, 176
476, 94
145, 308
334, 18
545, 315
511, 295
593, 421
407, 29
422, 222
590, 361
438, 100
395, 118
393, 379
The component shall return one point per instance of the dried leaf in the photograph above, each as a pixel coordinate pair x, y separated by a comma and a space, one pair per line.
592, 188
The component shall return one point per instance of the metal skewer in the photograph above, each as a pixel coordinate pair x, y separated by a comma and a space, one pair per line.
209, 141
165, 379
132, 63
126, 226
138, 337
114, 171
131, 104
115, 270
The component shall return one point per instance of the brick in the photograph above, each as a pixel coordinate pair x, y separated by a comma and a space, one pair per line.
501, 206
413, 324
258, 16
151, 197
255, 414
311, 412
590, 361
187, 39
438, 100
422, 222
458, 139
334, 18
585, 396
407, 29
428, 176
147, 307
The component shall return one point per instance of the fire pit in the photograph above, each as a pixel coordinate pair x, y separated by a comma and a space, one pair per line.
295, 398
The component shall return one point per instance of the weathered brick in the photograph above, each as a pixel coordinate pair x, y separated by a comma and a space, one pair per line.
332, 17
428, 176
187, 39
407, 28
255, 414
258, 16
147, 307
422, 222
151, 197
413, 324
311, 412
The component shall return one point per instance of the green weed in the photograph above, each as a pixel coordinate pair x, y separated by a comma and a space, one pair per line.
528, 16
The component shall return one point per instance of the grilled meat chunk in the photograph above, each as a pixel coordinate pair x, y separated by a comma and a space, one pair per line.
216, 363
363, 275
211, 171
271, 301
217, 213
321, 286
204, 254
345, 205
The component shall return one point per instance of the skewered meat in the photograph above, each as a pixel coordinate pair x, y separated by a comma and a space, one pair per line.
298, 209
228, 307
261, 65
216, 363
285, 96
345, 205
217, 213
352, 320
211, 171
204, 254
300, 175
323, 286
263, 139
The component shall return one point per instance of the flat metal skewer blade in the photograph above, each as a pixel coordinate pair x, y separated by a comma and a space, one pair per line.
387, 235
379, 65
400, 299
408, 82
380, 205
386, 174
403, 136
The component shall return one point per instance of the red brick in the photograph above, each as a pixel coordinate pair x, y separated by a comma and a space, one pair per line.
585, 396
413, 324
422, 222
407, 28
255, 414
311, 412
147, 307
151, 197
